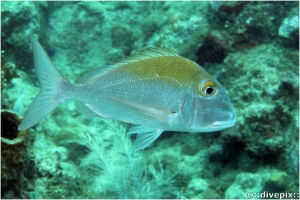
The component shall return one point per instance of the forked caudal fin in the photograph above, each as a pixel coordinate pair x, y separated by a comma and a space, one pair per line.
49, 96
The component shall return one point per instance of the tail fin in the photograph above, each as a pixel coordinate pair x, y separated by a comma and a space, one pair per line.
51, 81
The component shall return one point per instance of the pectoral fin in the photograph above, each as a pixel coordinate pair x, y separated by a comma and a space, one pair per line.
145, 136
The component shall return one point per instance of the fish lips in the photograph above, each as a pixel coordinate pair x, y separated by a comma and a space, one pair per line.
225, 123
222, 124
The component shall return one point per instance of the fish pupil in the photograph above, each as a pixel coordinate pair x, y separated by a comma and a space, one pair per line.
209, 90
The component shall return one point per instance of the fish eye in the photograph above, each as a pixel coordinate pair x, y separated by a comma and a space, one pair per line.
208, 89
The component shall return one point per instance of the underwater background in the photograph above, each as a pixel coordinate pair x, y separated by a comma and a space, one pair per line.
252, 48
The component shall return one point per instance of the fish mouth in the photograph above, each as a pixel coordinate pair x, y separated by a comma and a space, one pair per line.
222, 124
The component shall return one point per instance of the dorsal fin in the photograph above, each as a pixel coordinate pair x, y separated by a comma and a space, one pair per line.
94, 74
148, 53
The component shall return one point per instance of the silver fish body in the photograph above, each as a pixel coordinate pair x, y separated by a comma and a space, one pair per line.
156, 90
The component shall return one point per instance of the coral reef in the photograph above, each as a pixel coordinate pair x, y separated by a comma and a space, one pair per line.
252, 48
18, 173
8, 72
243, 184
20, 21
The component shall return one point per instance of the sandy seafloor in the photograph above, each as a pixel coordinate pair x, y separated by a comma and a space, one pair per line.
252, 48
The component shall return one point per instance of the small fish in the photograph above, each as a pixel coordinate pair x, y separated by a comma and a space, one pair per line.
156, 90
18, 106
51, 53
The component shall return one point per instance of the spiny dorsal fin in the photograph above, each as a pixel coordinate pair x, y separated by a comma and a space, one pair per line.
148, 53
94, 74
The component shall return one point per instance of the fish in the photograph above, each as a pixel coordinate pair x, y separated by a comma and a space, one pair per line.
155, 90
51, 52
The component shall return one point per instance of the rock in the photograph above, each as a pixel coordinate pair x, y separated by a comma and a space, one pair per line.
244, 183
289, 25
196, 187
